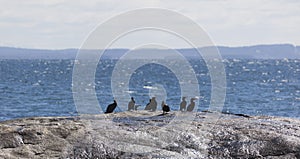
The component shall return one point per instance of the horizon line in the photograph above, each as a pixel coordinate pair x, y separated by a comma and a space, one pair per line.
16, 47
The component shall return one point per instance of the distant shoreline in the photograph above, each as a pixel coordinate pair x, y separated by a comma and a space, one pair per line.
275, 51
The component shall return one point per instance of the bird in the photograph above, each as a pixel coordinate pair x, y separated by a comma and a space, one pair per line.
153, 104
131, 104
111, 107
191, 106
183, 104
148, 105
165, 107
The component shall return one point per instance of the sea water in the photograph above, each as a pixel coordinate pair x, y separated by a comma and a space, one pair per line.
255, 87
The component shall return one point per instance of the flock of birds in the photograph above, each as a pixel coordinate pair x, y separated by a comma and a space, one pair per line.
152, 105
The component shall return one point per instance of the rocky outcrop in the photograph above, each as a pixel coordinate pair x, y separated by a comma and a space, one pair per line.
145, 134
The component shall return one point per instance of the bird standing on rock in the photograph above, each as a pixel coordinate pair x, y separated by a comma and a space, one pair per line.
131, 104
148, 105
183, 104
191, 106
153, 104
111, 107
165, 107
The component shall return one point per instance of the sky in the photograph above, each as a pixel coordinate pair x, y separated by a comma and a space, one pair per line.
60, 24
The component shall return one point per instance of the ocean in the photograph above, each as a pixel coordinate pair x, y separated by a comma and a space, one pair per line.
255, 87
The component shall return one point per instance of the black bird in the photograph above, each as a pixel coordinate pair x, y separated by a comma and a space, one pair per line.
131, 104
153, 104
165, 107
111, 107
183, 104
148, 105
191, 106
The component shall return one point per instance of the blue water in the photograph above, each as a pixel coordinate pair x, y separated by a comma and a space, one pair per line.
44, 87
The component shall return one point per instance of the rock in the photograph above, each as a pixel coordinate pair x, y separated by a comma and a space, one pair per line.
10, 140
142, 134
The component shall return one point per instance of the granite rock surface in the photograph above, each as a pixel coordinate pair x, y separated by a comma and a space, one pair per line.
142, 134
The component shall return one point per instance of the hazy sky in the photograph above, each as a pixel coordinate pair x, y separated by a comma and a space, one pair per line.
56, 24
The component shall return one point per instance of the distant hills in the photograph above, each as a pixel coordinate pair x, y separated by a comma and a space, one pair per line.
262, 52
277, 51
